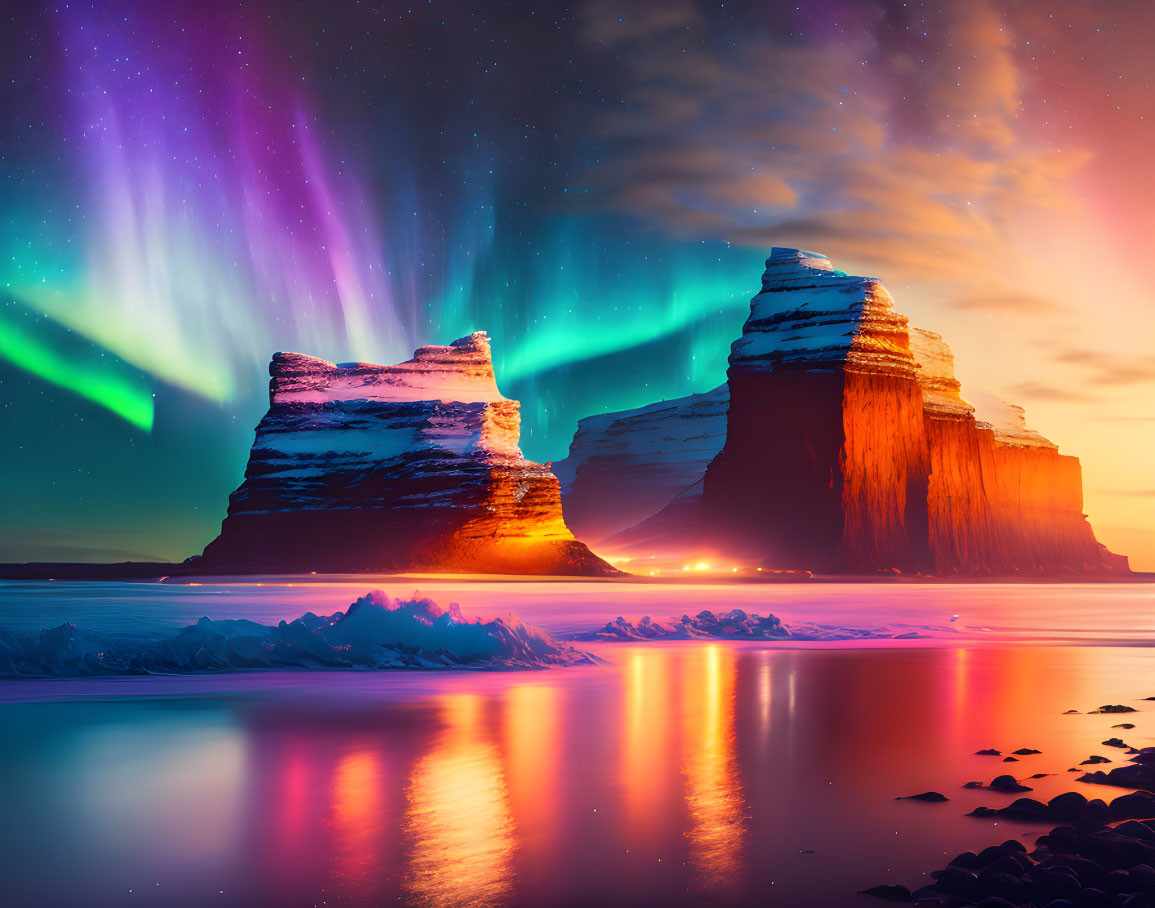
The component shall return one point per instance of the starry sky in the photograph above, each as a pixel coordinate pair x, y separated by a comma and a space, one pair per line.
186, 188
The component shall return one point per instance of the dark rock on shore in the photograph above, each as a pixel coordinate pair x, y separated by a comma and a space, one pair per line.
1010, 759
989, 752
929, 796
1094, 758
1026, 751
1007, 783
1116, 708
1072, 807
889, 893
1140, 774
1114, 742
1126, 725
1084, 863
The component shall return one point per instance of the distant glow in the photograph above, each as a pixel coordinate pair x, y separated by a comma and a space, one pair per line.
701, 566
103, 383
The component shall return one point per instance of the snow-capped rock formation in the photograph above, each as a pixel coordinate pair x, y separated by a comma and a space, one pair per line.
377, 632
825, 463
359, 467
849, 448
622, 467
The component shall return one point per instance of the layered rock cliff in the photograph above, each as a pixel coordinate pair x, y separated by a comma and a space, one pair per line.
1002, 499
825, 464
849, 448
623, 467
360, 467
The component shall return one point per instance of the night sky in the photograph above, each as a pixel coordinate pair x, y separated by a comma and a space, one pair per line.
186, 188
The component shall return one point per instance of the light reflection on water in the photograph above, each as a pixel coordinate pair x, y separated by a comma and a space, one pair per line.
680, 773
357, 799
713, 791
459, 826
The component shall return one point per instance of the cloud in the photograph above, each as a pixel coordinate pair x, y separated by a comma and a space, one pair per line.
1111, 368
879, 145
1006, 303
611, 21
1039, 391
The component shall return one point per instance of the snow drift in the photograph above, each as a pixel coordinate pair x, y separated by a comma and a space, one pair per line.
737, 624
377, 632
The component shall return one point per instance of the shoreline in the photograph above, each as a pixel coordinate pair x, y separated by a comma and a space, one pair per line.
1094, 851
160, 572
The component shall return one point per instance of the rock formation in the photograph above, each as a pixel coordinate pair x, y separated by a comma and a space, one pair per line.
1000, 495
623, 467
825, 462
359, 467
848, 448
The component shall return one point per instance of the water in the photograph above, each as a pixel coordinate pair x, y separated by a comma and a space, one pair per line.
678, 773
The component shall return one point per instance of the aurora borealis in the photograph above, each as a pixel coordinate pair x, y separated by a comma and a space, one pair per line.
187, 188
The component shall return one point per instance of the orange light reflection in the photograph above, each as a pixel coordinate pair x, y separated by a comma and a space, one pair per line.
713, 790
358, 809
458, 823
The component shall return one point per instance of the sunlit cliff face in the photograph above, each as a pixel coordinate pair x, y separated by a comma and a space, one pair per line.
401, 467
841, 442
186, 194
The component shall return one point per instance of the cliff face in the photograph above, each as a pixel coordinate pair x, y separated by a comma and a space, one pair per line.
1002, 499
361, 467
623, 467
849, 448
825, 464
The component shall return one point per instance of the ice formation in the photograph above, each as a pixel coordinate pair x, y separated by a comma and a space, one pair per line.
376, 632
737, 624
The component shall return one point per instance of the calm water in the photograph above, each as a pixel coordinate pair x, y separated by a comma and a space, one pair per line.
680, 773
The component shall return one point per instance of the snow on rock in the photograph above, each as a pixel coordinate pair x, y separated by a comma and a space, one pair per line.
941, 391
409, 467
825, 454
624, 466
1007, 421
462, 371
811, 314
376, 632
